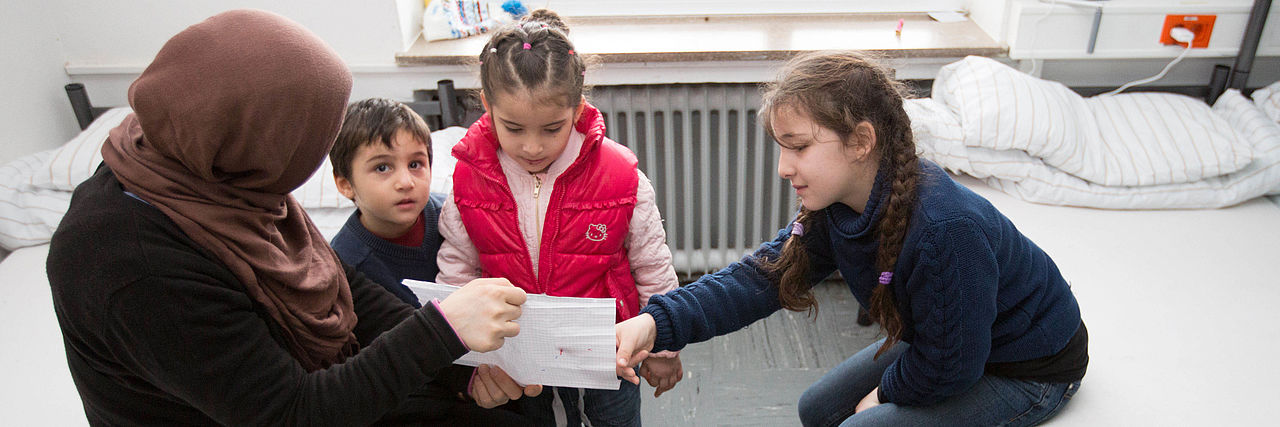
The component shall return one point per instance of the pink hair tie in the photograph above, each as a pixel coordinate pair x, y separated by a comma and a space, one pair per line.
527, 46
797, 229
886, 277
571, 51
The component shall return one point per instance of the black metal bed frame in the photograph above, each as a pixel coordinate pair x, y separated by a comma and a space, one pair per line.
441, 107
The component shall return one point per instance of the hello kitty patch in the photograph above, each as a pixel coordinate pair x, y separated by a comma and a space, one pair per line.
596, 232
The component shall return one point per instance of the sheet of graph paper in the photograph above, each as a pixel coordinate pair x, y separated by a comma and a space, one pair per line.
563, 342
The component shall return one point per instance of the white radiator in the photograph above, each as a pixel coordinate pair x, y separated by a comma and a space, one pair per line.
714, 169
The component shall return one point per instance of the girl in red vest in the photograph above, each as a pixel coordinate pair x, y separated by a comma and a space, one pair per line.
544, 199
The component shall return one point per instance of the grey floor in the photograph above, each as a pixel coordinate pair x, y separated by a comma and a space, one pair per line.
756, 375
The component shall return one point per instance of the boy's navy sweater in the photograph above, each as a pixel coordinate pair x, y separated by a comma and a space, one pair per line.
388, 263
970, 290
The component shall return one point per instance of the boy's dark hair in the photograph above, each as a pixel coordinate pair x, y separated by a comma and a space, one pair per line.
534, 54
374, 119
839, 91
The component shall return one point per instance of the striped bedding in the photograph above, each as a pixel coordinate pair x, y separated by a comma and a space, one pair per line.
1268, 100
1041, 142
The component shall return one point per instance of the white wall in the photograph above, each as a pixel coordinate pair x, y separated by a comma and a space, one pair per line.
129, 32
34, 114
106, 44
109, 43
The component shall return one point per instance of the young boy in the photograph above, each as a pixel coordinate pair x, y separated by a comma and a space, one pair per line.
382, 162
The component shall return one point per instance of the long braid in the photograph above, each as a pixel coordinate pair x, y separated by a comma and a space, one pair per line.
904, 170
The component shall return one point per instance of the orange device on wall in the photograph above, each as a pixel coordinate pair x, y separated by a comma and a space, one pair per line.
1201, 25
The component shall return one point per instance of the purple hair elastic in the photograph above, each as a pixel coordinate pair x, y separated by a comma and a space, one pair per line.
528, 46
886, 277
797, 229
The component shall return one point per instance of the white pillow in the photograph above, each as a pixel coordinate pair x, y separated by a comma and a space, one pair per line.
442, 160
75, 161
1004, 109
1161, 138
1260, 130
320, 191
28, 215
1268, 100
938, 134
1128, 139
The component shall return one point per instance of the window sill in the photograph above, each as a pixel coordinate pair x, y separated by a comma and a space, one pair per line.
615, 40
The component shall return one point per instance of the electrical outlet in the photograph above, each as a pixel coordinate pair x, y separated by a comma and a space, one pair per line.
1201, 25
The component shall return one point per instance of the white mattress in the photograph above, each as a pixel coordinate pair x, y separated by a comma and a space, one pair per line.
35, 385
1180, 307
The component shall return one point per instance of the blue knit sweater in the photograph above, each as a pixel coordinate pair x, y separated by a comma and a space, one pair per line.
388, 263
970, 289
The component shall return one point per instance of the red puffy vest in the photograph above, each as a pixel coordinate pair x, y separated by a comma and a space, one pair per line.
582, 253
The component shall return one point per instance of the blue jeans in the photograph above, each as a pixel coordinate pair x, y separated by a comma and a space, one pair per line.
619, 407
992, 401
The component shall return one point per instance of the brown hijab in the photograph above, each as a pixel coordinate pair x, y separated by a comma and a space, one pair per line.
233, 114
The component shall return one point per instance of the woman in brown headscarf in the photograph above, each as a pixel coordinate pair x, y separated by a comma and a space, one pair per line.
191, 288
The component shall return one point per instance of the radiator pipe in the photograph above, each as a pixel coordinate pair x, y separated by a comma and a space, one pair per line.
448, 104
1249, 47
80, 104
1217, 83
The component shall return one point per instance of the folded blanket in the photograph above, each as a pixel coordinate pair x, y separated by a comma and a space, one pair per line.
942, 136
1121, 140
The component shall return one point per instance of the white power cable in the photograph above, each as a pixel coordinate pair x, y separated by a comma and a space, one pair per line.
1031, 45
1053, 6
1179, 34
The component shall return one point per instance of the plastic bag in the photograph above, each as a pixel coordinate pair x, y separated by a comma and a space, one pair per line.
455, 19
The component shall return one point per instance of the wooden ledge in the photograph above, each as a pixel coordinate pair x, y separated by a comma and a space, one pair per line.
740, 38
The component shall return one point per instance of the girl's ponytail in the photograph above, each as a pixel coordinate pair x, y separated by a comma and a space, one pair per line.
791, 269
534, 55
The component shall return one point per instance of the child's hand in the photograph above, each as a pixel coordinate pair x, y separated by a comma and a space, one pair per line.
635, 338
871, 400
662, 373
491, 386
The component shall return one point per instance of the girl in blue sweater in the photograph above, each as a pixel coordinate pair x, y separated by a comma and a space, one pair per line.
980, 327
